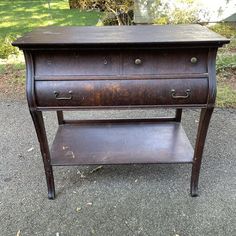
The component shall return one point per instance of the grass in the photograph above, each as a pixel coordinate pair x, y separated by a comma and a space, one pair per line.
226, 78
19, 16
226, 67
226, 96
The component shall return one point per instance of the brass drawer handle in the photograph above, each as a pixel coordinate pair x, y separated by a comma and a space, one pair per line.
138, 61
63, 98
187, 94
194, 60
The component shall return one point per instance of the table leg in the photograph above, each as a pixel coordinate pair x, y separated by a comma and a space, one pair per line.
42, 138
178, 115
199, 146
60, 117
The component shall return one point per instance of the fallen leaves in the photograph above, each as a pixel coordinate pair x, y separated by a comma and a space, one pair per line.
78, 209
96, 169
30, 149
82, 176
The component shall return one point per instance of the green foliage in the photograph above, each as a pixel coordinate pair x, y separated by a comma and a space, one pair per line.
226, 96
6, 48
124, 18
161, 20
155, 11
118, 12
87, 4
225, 62
224, 29
185, 16
181, 12
23, 16
121, 9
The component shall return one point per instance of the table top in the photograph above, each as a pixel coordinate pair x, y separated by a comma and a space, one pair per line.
70, 36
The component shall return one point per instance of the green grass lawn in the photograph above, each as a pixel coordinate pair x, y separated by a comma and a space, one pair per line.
20, 16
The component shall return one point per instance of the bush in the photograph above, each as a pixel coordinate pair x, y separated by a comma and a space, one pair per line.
111, 18
224, 29
225, 62
87, 4
118, 12
182, 12
6, 49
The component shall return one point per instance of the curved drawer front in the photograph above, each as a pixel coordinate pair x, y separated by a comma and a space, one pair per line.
77, 63
130, 62
121, 92
174, 61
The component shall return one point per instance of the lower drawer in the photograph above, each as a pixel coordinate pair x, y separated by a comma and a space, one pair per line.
121, 92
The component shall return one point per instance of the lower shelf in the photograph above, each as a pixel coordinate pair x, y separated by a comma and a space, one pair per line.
111, 142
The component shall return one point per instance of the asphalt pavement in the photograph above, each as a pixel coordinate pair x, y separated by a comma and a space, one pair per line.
118, 200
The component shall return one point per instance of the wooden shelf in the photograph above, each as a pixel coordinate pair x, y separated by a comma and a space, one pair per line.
121, 142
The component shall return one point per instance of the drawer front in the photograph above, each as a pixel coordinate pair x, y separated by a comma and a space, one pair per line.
77, 63
121, 92
113, 63
175, 61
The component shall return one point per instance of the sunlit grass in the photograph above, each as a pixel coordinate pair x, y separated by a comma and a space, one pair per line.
226, 96
18, 17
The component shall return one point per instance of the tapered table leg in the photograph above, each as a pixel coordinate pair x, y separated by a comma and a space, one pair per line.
60, 117
42, 138
178, 115
199, 146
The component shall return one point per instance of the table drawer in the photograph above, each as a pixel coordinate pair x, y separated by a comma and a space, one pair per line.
174, 61
131, 62
121, 92
77, 63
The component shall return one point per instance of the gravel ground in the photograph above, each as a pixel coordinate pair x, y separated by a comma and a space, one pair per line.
115, 200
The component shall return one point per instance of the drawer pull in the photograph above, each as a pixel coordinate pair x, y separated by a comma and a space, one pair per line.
63, 98
187, 94
138, 61
105, 62
194, 60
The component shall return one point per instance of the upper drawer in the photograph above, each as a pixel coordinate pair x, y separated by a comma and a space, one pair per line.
160, 62
77, 63
113, 63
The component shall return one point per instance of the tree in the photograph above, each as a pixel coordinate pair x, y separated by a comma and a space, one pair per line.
180, 12
120, 10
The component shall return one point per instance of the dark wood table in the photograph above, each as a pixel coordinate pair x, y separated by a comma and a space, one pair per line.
128, 67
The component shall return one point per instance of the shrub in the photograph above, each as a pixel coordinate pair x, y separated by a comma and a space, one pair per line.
225, 62
180, 12
224, 29
6, 49
125, 18
87, 4
119, 12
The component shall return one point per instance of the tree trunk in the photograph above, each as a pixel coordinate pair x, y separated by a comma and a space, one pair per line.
119, 19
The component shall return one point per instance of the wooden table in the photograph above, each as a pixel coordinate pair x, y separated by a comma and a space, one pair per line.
128, 67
